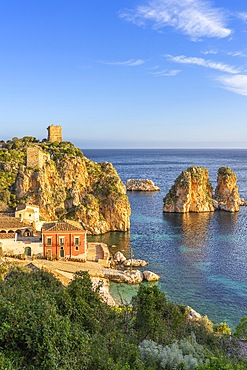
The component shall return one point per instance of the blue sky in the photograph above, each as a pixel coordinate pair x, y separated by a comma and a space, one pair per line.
125, 73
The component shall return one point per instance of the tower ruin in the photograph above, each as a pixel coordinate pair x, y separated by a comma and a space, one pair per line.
55, 133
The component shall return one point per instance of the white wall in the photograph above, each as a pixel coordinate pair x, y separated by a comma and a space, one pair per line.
10, 246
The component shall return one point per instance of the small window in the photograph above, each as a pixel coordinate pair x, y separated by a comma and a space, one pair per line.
30, 215
77, 240
61, 240
48, 241
77, 248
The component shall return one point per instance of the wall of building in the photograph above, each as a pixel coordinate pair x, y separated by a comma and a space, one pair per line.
10, 246
36, 158
70, 248
30, 214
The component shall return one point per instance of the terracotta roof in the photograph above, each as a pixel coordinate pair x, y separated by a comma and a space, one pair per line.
8, 222
60, 226
7, 235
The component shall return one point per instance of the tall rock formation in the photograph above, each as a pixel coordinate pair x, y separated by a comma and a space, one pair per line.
191, 192
227, 197
64, 183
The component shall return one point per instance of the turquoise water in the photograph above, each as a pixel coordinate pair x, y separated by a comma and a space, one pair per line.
201, 258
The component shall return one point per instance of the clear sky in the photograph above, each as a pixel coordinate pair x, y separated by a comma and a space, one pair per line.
125, 73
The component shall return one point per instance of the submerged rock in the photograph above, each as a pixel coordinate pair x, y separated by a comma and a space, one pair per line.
191, 192
226, 193
141, 185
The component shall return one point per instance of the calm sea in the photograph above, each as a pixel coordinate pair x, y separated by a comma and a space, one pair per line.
201, 258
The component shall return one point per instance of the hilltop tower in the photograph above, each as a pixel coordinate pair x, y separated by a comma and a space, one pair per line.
55, 133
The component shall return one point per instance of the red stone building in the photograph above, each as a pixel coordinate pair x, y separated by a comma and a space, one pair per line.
64, 240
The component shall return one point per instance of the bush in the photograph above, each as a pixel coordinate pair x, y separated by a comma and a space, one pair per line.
183, 354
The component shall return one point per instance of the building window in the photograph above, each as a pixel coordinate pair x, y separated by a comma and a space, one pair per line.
77, 240
61, 240
49, 241
76, 247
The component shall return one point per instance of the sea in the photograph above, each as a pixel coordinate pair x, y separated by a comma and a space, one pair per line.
201, 258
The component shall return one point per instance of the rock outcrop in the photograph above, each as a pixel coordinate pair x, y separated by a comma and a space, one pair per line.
127, 276
226, 196
141, 185
135, 263
150, 276
191, 192
121, 260
65, 184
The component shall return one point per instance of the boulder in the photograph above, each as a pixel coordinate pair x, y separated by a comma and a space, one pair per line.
135, 263
134, 276
129, 277
141, 185
119, 257
192, 314
150, 276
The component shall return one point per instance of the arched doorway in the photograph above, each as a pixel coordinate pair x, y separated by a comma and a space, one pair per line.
28, 251
27, 232
61, 252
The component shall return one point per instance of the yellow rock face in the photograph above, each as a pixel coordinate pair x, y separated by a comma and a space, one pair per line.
226, 192
77, 188
191, 192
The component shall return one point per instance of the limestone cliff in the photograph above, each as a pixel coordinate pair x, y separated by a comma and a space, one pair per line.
64, 183
191, 192
227, 197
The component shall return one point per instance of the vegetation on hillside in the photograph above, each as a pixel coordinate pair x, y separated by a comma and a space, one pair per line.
13, 155
67, 185
44, 325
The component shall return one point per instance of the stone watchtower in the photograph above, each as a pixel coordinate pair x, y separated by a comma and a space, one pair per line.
55, 133
36, 158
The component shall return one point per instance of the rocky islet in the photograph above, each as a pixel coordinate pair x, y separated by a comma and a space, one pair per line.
193, 192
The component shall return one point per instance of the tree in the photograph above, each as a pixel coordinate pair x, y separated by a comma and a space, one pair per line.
241, 329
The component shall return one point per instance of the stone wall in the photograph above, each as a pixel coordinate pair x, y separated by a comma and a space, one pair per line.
55, 133
36, 158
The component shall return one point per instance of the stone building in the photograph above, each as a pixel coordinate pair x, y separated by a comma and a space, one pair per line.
36, 158
64, 240
55, 133
10, 227
27, 213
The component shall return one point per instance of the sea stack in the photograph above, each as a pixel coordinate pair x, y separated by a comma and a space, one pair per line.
191, 192
227, 197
